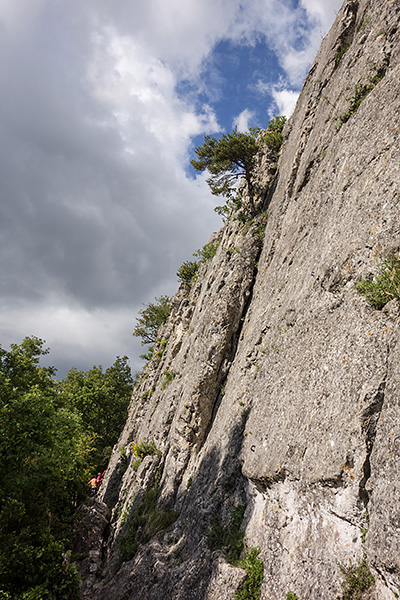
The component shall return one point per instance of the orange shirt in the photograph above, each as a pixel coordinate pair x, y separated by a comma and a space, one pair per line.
93, 482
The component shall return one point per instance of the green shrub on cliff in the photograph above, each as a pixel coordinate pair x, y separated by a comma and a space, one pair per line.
251, 588
151, 318
358, 579
385, 286
187, 272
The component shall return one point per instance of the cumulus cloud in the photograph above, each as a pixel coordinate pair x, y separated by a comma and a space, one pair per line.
242, 121
285, 101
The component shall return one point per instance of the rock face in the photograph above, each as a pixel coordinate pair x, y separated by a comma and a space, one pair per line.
273, 391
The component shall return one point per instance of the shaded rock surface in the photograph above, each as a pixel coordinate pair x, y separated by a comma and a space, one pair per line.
274, 386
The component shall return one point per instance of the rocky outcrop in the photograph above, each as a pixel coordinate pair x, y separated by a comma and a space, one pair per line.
273, 389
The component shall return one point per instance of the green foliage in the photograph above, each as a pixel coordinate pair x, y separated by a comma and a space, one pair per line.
144, 523
273, 137
291, 596
230, 539
364, 530
20, 369
187, 272
142, 449
228, 159
136, 464
251, 588
43, 449
52, 437
232, 157
152, 318
358, 579
361, 91
147, 356
207, 252
260, 231
385, 286
102, 399
168, 377
341, 51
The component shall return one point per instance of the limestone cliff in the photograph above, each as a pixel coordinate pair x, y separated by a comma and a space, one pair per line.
272, 397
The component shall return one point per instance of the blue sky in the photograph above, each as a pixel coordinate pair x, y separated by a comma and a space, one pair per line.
101, 107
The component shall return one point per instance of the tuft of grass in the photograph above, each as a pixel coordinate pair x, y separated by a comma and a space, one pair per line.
142, 449
357, 580
385, 286
366, 20
291, 596
168, 377
144, 523
230, 539
136, 464
361, 91
341, 51
251, 588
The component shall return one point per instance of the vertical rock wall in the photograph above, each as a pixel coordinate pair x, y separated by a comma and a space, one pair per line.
274, 387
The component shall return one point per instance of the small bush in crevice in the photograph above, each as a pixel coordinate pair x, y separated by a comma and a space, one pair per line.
361, 91
385, 286
142, 449
358, 579
273, 137
207, 252
229, 539
145, 522
168, 377
251, 587
340, 53
151, 318
187, 272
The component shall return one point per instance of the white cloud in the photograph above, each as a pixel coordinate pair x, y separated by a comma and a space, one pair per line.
242, 120
322, 12
285, 101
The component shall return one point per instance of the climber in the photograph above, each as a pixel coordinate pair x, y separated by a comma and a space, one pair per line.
93, 486
100, 477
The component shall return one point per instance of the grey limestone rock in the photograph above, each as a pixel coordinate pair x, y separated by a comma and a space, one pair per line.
274, 385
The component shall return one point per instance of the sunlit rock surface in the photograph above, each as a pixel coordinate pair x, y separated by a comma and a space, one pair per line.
274, 385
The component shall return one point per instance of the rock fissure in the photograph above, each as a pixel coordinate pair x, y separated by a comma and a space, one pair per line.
369, 423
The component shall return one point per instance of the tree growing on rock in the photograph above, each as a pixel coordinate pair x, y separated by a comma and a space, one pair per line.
228, 159
151, 318
233, 157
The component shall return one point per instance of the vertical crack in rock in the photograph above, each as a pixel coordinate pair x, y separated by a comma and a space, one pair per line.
348, 25
233, 348
369, 422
